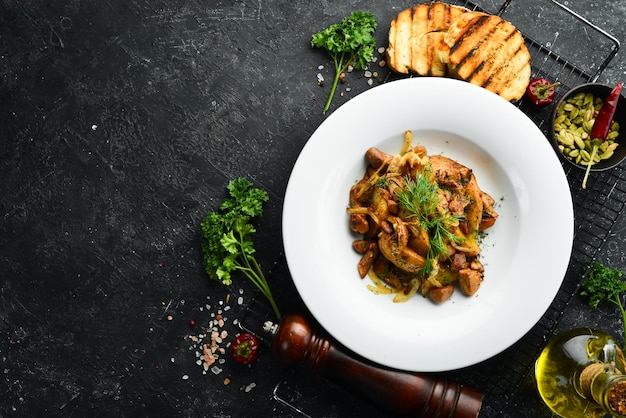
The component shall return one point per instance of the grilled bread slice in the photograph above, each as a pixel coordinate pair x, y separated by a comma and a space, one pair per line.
439, 39
490, 52
416, 38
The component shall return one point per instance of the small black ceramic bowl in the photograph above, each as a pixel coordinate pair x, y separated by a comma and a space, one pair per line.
602, 91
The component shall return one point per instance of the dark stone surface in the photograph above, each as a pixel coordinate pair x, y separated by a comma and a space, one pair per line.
121, 122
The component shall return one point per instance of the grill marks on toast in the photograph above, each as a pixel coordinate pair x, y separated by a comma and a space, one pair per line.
517, 61
438, 39
462, 51
489, 52
471, 55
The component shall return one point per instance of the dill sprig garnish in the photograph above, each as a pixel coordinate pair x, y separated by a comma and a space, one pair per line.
420, 198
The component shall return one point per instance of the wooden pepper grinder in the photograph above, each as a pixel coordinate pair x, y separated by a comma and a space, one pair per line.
400, 393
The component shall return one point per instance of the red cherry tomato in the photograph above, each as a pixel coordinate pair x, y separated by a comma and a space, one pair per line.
540, 91
245, 348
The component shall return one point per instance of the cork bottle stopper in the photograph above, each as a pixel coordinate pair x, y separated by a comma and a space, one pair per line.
587, 376
616, 397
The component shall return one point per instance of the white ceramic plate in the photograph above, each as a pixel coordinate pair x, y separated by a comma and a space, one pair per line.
525, 254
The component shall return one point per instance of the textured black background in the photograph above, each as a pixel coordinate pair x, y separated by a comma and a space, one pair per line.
120, 124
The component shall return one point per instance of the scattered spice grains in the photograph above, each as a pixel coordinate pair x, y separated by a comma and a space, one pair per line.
210, 342
369, 75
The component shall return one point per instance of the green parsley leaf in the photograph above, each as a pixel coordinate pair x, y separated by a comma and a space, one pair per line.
349, 42
605, 284
227, 244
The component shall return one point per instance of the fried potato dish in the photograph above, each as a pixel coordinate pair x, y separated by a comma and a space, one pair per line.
419, 218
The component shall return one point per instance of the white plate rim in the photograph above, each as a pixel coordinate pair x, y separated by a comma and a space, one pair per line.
514, 151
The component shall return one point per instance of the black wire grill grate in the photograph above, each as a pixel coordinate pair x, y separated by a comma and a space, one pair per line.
596, 208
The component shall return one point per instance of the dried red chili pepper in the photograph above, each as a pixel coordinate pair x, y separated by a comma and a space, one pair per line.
245, 348
602, 125
540, 91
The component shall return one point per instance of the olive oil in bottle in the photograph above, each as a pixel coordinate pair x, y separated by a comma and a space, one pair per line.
579, 374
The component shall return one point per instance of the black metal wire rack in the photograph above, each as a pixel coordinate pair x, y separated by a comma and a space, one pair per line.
596, 208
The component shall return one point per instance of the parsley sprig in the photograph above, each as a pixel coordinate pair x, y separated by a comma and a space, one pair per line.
350, 42
227, 244
603, 283
420, 198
